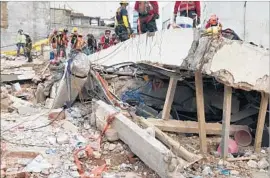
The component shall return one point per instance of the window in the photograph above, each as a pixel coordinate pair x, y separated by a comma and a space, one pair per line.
4, 15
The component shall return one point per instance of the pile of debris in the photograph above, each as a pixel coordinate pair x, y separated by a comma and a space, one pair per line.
96, 120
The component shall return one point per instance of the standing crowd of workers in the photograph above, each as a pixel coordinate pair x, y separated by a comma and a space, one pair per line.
148, 12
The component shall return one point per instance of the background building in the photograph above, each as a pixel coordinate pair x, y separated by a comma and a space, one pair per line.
39, 19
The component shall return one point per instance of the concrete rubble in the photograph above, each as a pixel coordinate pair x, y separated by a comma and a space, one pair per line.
40, 133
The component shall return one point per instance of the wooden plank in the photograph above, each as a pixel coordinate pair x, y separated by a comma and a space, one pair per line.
261, 121
168, 141
200, 111
169, 98
192, 126
227, 104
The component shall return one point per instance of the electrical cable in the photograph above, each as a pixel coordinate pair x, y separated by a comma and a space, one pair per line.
35, 128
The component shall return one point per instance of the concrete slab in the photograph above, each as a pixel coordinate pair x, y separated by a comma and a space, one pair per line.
166, 47
234, 63
241, 65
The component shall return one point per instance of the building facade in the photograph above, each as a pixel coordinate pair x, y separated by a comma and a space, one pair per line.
38, 19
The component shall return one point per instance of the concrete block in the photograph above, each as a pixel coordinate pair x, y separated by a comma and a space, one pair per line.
151, 151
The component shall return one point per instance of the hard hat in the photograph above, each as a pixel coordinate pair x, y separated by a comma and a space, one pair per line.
124, 2
20, 30
75, 29
60, 30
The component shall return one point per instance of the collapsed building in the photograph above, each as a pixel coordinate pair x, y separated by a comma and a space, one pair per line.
169, 97
199, 81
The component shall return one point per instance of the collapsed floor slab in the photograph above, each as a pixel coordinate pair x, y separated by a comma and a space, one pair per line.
234, 63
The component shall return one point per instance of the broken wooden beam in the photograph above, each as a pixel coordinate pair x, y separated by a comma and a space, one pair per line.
261, 121
169, 98
151, 151
227, 104
200, 111
192, 126
168, 141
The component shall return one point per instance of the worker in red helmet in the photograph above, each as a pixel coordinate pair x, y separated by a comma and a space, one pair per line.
191, 9
148, 13
105, 39
213, 21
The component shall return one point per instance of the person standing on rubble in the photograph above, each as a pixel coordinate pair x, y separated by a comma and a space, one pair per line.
213, 26
61, 49
122, 26
191, 9
65, 39
20, 42
105, 40
148, 13
213, 22
74, 36
114, 40
91, 43
53, 42
28, 47
80, 43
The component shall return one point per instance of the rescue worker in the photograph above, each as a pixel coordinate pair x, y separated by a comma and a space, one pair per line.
65, 37
213, 22
80, 43
20, 42
114, 40
74, 36
53, 42
105, 40
122, 26
91, 43
191, 9
53, 39
61, 44
28, 47
148, 13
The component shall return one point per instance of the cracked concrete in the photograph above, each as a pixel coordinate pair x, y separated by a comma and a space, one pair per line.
234, 63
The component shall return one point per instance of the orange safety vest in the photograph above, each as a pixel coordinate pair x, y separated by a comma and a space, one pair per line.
79, 44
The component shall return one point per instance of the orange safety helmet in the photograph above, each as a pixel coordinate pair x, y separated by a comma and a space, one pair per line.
213, 19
